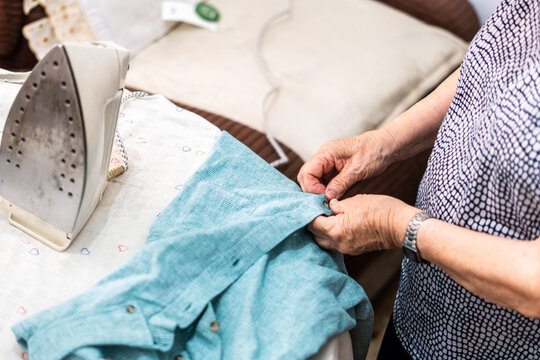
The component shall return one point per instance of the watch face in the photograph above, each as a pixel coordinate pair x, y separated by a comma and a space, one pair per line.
410, 254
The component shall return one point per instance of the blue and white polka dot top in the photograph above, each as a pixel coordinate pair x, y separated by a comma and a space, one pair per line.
483, 174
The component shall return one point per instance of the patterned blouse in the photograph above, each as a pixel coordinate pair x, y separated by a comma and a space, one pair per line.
483, 174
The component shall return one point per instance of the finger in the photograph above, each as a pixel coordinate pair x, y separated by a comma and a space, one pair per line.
337, 206
321, 225
311, 174
316, 231
340, 183
312, 184
326, 243
321, 236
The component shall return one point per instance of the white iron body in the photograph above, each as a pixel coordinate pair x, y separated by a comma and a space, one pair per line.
98, 72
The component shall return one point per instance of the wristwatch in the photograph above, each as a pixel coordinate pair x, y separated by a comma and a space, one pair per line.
409, 244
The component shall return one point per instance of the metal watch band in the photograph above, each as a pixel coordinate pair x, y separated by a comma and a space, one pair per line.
409, 243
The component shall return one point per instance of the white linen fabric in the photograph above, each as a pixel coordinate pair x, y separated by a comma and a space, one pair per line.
166, 144
345, 66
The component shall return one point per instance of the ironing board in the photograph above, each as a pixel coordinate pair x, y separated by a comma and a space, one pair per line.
165, 144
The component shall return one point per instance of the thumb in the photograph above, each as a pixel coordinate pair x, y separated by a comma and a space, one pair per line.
340, 183
337, 207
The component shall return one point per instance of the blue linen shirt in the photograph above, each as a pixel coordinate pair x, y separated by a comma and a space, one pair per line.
228, 271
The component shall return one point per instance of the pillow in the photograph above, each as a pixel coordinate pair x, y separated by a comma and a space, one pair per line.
346, 66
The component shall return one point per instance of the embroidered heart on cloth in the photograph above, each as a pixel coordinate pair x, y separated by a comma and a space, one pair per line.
21, 310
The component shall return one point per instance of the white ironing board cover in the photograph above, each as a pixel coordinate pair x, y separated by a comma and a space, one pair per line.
165, 145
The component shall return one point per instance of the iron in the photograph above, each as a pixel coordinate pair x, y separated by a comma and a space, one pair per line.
58, 137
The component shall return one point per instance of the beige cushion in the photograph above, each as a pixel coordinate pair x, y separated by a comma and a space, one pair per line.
345, 66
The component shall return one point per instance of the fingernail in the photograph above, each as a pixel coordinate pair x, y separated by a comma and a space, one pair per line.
331, 194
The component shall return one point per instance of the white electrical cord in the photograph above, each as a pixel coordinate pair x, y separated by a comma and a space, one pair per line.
263, 66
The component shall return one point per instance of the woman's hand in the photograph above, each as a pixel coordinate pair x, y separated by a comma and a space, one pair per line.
500, 270
339, 164
363, 223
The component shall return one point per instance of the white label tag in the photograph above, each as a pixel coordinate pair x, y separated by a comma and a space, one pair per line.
184, 11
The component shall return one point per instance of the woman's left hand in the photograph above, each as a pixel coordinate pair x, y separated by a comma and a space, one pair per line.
500, 270
363, 223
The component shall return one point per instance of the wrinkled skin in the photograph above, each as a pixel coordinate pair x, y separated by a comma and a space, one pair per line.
363, 223
338, 164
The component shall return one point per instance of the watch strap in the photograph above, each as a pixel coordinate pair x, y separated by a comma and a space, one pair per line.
409, 243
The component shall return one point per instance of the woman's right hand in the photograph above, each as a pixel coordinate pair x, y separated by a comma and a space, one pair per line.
339, 164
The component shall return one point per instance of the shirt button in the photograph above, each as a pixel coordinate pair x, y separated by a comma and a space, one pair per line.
179, 357
326, 204
214, 326
130, 309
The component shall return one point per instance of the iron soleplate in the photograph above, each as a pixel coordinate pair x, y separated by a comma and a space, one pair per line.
43, 148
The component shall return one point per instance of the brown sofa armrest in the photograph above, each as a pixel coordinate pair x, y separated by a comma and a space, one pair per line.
11, 22
20, 58
456, 16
